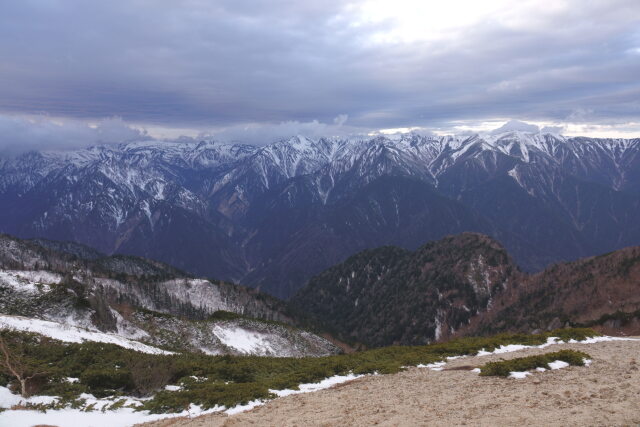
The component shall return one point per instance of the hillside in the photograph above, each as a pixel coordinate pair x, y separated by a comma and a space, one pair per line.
468, 285
602, 291
392, 296
72, 293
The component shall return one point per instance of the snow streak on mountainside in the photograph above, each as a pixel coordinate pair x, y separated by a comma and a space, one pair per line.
273, 216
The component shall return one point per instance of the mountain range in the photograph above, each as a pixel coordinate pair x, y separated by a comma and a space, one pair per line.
273, 216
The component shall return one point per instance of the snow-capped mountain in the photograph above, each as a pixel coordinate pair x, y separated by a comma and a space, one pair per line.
273, 216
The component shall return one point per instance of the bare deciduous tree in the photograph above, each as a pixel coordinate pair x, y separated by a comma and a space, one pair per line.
15, 363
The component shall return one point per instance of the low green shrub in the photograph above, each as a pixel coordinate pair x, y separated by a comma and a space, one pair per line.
504, 368
100, 379
207, 395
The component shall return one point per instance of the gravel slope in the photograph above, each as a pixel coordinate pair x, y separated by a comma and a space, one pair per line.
605, 393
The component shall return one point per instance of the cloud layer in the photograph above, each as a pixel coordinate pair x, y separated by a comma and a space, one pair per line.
239, 67
19, 134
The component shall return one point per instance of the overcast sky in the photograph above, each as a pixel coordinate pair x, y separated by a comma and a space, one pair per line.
75, 70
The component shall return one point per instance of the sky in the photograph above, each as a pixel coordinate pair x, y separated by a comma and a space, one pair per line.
76, 72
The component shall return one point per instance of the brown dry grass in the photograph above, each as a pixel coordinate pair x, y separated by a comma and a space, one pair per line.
20, 407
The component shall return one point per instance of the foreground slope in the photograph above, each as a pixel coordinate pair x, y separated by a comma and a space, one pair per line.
605, 393
105, 382
468, 285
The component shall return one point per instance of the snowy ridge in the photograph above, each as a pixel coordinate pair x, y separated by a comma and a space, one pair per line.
149, 171
147, 167
199, 293
225, 199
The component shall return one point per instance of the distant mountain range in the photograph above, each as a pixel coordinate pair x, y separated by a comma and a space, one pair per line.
271, 217
468, 285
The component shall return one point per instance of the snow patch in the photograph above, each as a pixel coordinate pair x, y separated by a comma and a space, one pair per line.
558, 364
29, 281
436, 366
74, 334
128, 416
438, 331
68, 417
248, 342
519, 375
324, 384
8, 399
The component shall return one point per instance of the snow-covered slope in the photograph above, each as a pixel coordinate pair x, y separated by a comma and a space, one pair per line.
71, 299
66, 333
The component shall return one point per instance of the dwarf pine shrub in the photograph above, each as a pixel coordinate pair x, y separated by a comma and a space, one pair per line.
521, 364
106, 369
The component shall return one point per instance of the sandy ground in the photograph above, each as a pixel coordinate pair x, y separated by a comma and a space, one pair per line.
605, 393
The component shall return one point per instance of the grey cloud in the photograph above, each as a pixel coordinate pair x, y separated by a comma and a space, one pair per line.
18, 134
238, 66
341, 119
553, 129
266, 133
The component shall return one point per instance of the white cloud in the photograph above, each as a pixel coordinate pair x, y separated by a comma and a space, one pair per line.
516, 125
595, 130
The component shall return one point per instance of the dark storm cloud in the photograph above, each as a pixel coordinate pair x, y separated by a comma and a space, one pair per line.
234, 65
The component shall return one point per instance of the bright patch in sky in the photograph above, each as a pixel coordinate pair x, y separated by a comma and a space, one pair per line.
392, 131
406, 21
